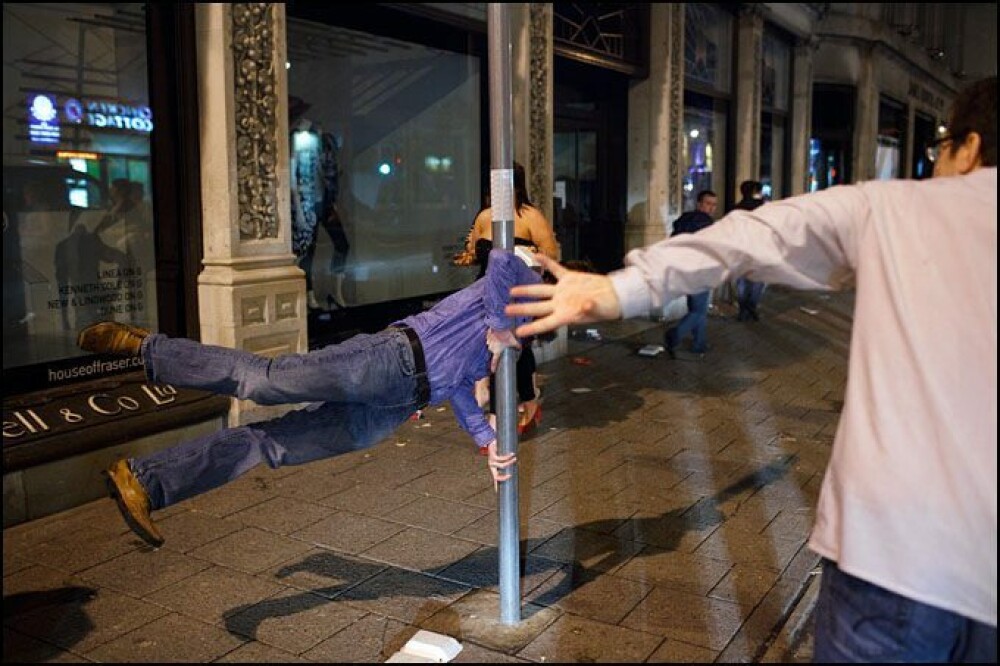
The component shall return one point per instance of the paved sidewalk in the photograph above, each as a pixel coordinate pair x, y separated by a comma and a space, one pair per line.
664, 507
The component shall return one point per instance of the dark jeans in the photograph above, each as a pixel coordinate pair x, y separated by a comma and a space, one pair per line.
748, 294
694, 322
857, 621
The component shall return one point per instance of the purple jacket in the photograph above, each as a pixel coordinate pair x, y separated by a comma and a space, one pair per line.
453, 335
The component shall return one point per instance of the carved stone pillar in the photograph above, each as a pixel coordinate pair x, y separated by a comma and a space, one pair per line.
532, 105
801, 130
866, 125
656, 132
251, 294
532, 76
656, 135
746, 116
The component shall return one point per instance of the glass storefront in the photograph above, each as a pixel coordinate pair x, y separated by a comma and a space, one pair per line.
924, 132
776, 74
891, 137
386, 163
832, 137
708, 39
78, 226
704, 147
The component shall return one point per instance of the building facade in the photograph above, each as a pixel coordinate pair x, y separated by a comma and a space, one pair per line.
275, 177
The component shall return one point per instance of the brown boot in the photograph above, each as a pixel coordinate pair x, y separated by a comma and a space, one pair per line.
112, 337
133, 502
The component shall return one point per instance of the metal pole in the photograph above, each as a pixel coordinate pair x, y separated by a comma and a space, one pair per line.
502, 208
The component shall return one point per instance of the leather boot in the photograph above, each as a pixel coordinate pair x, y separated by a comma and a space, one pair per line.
112, 337
133, 502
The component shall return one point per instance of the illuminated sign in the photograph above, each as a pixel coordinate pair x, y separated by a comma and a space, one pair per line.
75, 155
43, 126
114, 115
47, 112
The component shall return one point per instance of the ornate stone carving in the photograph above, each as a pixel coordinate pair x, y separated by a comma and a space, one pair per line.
256, 106
676, 27
538, 105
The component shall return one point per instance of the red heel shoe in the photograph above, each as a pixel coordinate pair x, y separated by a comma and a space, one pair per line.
531, 420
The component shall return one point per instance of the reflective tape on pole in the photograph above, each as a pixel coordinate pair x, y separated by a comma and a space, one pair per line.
502, 207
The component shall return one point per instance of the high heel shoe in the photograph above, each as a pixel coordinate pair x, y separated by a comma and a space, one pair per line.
530, 418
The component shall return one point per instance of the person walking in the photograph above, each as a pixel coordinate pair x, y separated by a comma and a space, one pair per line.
907, 516
749, 292
362, 390
695, 322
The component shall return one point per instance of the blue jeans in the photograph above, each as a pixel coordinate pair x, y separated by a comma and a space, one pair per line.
857, 621
748, 295
694, 322
364, 388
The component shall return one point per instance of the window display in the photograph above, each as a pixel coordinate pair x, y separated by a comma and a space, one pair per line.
77, 222
385, 163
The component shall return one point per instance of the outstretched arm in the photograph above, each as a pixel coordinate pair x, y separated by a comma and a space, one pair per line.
807, 242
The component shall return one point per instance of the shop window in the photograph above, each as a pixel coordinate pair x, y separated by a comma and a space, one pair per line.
776, 76
889, 145
708, 39
385, 161
924, 132
704, 162
79, 241
832, 139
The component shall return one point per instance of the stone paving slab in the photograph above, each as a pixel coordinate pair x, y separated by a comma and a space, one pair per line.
664, 515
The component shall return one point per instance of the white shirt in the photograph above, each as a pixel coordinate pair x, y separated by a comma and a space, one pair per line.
909, 499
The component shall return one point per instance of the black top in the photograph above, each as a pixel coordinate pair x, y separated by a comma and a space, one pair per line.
483, 247
690, 222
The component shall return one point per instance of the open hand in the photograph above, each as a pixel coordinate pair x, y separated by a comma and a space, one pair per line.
576, 298
498, 464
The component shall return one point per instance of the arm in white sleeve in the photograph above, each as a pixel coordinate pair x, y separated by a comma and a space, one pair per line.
807, 242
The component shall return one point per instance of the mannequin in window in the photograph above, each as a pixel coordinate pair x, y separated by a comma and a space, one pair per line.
315, 180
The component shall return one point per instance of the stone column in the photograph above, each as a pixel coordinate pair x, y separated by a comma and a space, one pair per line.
746, 111
531, 33
801, 116
907, 156
532, 105
251, 294
866, 115
656, 136
656, 132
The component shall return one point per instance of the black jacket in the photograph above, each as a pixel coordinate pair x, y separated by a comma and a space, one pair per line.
690, 222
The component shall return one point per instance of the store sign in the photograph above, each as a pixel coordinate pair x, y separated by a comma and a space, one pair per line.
113, 115
43, 123
47, 112
26, 423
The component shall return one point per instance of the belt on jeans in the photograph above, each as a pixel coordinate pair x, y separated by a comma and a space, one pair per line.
419, 365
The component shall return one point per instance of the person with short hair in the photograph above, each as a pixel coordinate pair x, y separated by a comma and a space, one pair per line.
907, 517
695, 322
749, 292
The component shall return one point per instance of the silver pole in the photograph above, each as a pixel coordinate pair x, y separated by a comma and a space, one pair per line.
502, 208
